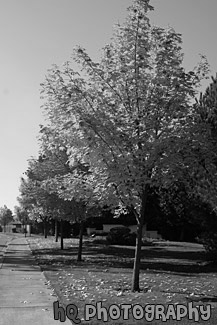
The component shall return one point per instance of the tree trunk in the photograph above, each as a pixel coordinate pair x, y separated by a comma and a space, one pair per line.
61, 234
140, 223
56, 230
80, 241
45, 228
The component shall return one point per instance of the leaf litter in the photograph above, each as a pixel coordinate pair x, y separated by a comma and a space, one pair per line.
80, 283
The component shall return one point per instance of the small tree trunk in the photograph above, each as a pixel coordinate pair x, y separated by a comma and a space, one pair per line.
53, 228
140, 223
61, 234
56, 230
45, 228
80, 240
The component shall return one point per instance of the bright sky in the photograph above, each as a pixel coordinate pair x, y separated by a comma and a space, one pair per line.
37, 33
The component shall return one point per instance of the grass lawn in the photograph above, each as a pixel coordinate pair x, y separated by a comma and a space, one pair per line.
171, 274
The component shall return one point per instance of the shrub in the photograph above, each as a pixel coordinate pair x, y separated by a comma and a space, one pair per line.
130, 239
209, 241
121, 236
100, 241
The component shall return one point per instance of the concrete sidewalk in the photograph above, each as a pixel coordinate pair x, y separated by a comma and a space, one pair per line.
25, 298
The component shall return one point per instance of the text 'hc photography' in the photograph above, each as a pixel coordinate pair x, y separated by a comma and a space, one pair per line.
149, 312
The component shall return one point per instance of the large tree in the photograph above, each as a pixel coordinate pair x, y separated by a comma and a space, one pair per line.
206, 108
205, 186
126, 117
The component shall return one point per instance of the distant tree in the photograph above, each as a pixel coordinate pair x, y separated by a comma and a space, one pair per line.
20, 214
72, 183
36, 202
6, 216
50, 190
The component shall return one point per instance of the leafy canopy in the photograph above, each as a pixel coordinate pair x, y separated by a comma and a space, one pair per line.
126, 115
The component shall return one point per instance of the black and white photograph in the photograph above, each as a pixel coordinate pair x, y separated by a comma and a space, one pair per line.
108, 165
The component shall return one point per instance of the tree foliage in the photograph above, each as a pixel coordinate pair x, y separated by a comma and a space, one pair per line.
6, 216
52, 189
40, 205
127, 117
206, 188
206, 108
21, 214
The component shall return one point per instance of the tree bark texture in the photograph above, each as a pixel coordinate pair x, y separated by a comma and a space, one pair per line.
61, 234
80, 241
56, 230
45, 228
137, 258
